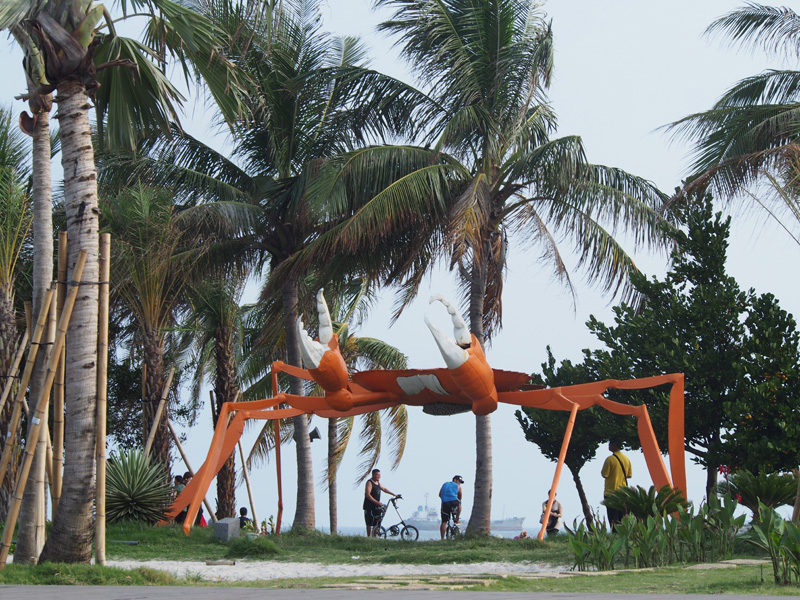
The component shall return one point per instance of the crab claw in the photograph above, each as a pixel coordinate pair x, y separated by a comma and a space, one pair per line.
313, 350
453, 351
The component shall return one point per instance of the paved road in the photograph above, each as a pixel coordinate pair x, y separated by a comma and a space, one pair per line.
67, 592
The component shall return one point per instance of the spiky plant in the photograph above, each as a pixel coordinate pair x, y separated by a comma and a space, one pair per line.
136, 488
771, 489
643, 503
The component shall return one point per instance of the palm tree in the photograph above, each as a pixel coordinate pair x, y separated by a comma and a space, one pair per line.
492, 172
215, 327
153, 260
61, 41
15, 225
311, 98
752, 129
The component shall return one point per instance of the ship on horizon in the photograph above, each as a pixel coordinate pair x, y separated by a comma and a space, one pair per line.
427, 518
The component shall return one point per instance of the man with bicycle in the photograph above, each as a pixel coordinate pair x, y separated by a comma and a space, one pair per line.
451, 501
373, 508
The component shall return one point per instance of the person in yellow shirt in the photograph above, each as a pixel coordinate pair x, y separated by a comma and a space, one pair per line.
616, 471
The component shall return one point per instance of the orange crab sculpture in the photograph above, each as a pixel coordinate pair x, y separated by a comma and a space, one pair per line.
467, 381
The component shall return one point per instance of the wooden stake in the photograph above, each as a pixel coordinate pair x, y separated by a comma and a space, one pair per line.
16, 413
249, 489
102, 402
188, 466
14, 368
159, 410
58, 389
41, 406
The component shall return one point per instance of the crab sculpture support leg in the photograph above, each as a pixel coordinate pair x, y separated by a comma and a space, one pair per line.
466, 361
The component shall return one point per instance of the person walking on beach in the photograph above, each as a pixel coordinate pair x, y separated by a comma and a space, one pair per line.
373, 509
616, 470
450, 493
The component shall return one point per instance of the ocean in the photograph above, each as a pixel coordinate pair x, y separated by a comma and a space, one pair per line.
423, 535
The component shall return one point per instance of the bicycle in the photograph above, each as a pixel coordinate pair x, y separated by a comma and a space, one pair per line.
407, 533
452, 530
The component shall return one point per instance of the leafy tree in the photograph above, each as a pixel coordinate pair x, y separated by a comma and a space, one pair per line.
546, 428
739, 352
489, 169
769, 489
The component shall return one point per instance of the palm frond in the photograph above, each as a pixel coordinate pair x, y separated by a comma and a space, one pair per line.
775, 29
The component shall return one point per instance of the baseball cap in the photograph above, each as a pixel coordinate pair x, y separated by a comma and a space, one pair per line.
458, 478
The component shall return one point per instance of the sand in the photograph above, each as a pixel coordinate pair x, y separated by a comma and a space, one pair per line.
245, 570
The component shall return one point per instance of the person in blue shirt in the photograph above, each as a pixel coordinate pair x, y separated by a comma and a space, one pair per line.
451, 501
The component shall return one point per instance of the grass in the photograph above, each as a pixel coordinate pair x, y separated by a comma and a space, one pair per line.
170, 543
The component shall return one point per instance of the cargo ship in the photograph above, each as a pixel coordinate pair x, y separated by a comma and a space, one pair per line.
428, 518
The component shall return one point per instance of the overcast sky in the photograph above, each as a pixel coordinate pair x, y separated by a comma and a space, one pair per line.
623, 69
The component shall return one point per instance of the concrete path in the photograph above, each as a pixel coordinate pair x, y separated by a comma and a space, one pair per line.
66, 592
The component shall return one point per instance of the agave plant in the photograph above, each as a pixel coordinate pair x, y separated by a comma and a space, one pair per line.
136, 489
771, 489
642, 503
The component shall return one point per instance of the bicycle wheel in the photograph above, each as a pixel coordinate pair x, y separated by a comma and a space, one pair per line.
452, 532
381, 531
409, 533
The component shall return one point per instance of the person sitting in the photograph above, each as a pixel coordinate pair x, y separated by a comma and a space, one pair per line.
244, 520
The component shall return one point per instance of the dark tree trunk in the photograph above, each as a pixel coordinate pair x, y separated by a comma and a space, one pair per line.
225, 390
587, 509
153, 357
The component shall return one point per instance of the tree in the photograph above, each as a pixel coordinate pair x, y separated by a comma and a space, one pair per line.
311, 98
739, 352
546, 428
489, 170
752, 129
60, 41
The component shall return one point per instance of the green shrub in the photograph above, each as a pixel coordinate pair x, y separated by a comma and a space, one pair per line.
771, 489
642, 503
136, 489
260, 546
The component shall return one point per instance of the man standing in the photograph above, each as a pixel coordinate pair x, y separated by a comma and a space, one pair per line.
373, 509
451, 501
616, 470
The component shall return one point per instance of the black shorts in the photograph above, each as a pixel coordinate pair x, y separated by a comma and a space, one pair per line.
451, 506
372, 516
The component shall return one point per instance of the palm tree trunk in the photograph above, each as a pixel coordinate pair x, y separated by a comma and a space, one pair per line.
72, 532
153, 357
30, 539
226, 390
304, 514
480, 518
8, 337
333, 506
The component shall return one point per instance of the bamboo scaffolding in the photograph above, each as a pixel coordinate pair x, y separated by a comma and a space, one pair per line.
188, 466
41, 406
19, 400
58, 389
161, 403
102, 402
247, 483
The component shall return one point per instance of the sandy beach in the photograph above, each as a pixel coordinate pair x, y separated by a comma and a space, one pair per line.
245, 570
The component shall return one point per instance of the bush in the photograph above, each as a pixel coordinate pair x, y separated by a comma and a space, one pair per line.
770, 489
643, 503
136, 489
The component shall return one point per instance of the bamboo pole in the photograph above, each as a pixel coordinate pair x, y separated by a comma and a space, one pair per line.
159, 411
58, 389
188, 466
249, 489
102, 402
12, 374
41, 407
16, 413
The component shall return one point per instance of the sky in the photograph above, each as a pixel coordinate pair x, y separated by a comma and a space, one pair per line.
623, 70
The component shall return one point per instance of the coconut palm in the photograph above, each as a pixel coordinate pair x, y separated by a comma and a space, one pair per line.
752, 128
61, 41
312, 97
492, 174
